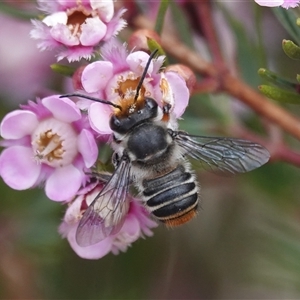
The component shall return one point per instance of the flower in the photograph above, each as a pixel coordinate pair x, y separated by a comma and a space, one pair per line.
117, 77
48, 141
137, 224
284, 3
77, 28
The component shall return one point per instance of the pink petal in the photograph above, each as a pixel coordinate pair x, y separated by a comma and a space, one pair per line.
62, 34
96, 76
105, 9
18, 124
115, 25
93, 30
99, 116
65, 4
63, 109
269, 3
87, 147
290, 3
18, 168
116, 53
157, 63
75, 53
137, 62
91, 252
131, 229
180, 92
73, 212
63, 183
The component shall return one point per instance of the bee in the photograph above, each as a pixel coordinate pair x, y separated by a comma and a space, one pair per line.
153, 155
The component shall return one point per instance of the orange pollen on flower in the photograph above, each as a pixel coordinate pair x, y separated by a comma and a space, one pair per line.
126, 89
49, 146
164, 86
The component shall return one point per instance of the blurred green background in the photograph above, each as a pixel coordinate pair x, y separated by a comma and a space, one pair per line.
245, 242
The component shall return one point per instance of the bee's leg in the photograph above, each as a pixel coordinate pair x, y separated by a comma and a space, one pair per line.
101, 176
116, 158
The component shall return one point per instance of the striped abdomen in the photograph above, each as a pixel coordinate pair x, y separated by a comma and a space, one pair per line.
173, 197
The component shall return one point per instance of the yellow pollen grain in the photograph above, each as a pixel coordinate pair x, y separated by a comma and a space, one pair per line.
58, 152
56, 139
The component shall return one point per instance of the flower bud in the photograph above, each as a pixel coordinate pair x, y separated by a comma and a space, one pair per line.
291, 49
186, 73
139, 39
76, 78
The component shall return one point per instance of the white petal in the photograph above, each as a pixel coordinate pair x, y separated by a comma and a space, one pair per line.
137, 62
105, 8
93, 31
56, 18
269, 3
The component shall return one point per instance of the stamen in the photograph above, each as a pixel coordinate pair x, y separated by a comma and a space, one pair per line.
54, 143
76, 29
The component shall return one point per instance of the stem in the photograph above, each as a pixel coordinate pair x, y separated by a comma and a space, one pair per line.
227, 82
203, 11
161, 15
285, 154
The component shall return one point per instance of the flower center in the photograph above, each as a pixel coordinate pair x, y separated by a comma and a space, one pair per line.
54, 143
126, 87
76, 17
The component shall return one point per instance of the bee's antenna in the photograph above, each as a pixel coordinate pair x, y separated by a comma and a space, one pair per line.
91, 98
144, 74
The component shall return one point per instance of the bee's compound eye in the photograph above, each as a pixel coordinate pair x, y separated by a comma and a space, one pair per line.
151, 103
114, 123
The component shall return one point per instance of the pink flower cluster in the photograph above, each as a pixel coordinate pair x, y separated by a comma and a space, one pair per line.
119, 74
48, 141
54, 141
136, 225
76, 28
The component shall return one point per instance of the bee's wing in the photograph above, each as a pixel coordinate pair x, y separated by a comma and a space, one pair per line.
106, 214
227, 155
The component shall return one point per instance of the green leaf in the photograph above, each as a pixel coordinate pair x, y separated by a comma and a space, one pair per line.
276, 79
161, 16
63, 69
246, 47
279, 94
153, 45
182, 25
291, 49
288, 19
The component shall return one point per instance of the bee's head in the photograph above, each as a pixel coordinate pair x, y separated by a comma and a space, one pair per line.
143, 111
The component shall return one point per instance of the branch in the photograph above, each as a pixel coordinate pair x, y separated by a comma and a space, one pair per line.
227, 82
204, 14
